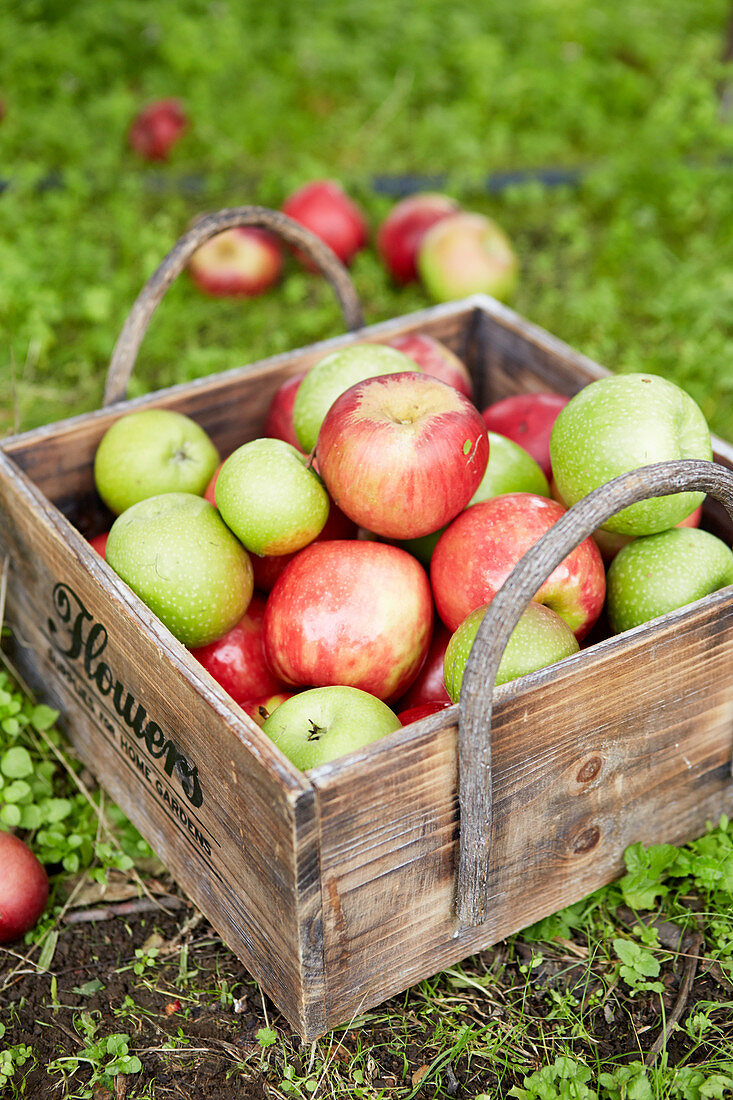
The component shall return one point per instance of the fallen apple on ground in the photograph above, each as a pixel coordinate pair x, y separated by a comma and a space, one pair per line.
467, 253
241, 262
270, 498
621, 423
23, 887
321, 724
152, 451
402, 454
324, 207
177, 554
157, 128
540, 638
335, 373
400, 235
350, 612
655, 574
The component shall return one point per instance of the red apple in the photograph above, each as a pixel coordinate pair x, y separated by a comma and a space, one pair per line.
429, 687
324, 207
422, 710
435, 359
527, 418
241, 262
260, 710
350, 613
467, 253
157, 128
478, 551
267, 567
237, 660
211, 487
401, 233
279, 420
23, 888
402, 454
99, 543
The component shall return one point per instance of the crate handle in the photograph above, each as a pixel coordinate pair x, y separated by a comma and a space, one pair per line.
474, 732
134, 328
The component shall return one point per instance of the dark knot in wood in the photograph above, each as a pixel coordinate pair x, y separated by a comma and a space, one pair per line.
589, 769
587, 840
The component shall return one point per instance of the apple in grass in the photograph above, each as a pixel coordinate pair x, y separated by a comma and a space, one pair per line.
270, 497
335, 373
621, 423
324, 207
527, 419
241, 262
237, 659
402, 454
540, 638
400, 235
152, 451
436, 359
467, 253
323, 723
279, 420
23, 887
177, 554
350, 612
655, 574
157, 128
480, 548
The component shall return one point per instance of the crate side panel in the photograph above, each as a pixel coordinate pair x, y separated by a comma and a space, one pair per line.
633, 745
240, 839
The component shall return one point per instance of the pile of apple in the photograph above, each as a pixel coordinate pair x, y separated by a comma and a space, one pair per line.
426, 236
331, 575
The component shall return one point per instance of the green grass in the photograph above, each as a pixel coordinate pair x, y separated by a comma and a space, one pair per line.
633, 266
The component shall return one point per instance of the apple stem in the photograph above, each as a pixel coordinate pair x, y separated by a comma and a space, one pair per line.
314, 731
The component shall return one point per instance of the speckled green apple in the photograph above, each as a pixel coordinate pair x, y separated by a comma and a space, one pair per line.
620, 423
177, 554
328, 379
658, 573
323, 723
467, 253
271, 498
152, 451
540, 638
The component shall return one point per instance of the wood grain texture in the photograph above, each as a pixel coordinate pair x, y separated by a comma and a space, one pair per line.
223, 809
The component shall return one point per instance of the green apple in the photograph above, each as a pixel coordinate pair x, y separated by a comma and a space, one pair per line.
152, 451
540, 638
322, 723
328, 379
177, 554
618, 424
270, 497
658, 573
510, 469
467, 253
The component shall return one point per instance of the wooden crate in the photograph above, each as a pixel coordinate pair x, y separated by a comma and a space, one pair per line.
337, 888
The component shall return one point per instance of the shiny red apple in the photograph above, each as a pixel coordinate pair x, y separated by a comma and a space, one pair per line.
157, 128
99, 543
422, 710
429, 687
436, 359
324, 207
237, 660
478, 551
527, 418
279, 420
23, 887
239, 263
401, 233
402, 454
352, 613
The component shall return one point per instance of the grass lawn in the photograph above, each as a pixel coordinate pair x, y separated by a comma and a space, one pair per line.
625, 995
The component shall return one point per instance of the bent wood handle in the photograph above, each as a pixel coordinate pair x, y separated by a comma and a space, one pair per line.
474, 732
135, 327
